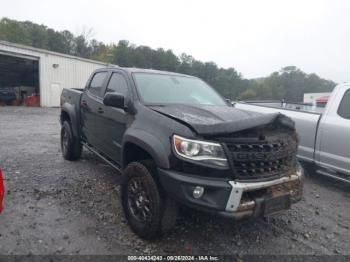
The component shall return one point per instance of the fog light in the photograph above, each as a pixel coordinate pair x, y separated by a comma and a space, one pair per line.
198, 191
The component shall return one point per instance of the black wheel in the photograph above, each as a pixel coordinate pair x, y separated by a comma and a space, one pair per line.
147, 209
70, 146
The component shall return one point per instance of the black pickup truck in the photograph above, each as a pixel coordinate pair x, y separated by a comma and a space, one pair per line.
177, 142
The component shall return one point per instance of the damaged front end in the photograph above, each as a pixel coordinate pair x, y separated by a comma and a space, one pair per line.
262, 175
255, 199
266, 175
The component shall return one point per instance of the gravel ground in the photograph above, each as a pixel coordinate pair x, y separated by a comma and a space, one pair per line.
53, 206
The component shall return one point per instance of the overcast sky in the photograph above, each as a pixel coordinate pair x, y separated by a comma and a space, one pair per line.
255, 37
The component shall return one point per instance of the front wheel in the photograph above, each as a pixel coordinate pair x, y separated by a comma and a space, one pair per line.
71, 147
148, 211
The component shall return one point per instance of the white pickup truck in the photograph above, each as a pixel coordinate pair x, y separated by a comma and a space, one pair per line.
324, 133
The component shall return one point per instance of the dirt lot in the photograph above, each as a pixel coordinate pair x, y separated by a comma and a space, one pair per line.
58, 207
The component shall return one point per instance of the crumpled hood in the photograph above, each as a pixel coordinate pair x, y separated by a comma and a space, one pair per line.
209, 120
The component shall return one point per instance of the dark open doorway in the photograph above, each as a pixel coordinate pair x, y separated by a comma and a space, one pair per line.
19, 81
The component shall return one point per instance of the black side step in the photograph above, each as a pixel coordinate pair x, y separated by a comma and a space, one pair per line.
104, 158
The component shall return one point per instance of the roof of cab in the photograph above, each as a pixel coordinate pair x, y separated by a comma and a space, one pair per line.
141, 70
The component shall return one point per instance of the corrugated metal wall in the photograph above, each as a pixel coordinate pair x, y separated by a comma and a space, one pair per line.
71, 72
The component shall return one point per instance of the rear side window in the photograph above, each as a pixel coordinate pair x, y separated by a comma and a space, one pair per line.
344, 107
118, 84
96, 84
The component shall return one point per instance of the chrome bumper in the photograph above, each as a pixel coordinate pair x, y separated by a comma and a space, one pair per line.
236, 207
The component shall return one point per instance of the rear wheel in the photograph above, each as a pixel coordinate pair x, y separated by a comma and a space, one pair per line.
71, 147
148, 210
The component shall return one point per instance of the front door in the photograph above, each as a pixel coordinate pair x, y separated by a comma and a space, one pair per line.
111, 124
335, 135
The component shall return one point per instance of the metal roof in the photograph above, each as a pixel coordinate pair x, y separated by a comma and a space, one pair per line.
109, 66
44, 51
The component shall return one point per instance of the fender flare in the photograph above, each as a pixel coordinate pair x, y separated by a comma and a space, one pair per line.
73, 116
149, 143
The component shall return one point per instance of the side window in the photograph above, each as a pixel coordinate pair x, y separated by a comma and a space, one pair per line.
118, 84
344, 107
96, 83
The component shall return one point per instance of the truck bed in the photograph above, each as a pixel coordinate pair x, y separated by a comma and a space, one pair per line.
71, 96
306, 121
302, 107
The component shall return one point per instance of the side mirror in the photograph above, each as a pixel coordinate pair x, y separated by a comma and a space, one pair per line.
114, 100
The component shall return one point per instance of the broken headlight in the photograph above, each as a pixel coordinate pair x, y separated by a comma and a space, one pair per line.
201, 152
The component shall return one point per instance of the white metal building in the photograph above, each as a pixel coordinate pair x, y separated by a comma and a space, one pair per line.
31, 72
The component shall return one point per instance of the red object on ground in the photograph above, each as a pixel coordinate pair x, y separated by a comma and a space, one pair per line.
2, 191
33, 101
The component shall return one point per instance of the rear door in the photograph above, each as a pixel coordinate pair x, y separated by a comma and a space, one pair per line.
334, 129
111, 124
91, 106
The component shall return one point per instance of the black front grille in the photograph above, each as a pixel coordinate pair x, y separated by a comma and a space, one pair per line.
261, 155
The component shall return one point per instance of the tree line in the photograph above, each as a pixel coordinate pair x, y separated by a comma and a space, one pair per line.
290, 83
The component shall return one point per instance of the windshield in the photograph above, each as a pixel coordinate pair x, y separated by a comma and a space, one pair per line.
164, 89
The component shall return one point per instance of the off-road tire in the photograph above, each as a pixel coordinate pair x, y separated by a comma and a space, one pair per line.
162, 209
71, 147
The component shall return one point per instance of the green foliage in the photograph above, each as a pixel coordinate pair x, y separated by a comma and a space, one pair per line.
289, 83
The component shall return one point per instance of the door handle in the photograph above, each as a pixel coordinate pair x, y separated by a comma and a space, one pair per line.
100, 110
83, 103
